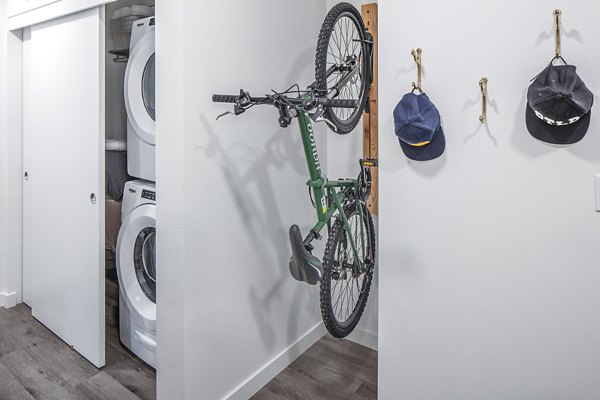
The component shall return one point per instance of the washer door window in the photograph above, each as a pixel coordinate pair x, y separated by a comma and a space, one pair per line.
144, 261
136, 263
139, 88
148, 93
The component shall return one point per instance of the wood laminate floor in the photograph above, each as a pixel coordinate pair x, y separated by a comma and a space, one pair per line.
332, 369
36, 365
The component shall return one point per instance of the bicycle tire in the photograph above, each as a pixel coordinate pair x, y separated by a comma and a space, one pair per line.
331, 273
343, 14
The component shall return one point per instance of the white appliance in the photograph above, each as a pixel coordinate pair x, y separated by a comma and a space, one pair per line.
136, 269
140, 101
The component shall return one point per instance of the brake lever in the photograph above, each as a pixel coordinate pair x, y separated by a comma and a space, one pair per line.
243, 103
237, 110
224, 114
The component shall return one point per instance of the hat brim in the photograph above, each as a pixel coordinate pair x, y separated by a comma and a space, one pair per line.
566, 134
430, 151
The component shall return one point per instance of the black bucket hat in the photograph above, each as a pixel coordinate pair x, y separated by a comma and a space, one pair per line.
558, 105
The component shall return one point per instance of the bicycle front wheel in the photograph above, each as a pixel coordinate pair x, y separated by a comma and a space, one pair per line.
342, 68
345, 286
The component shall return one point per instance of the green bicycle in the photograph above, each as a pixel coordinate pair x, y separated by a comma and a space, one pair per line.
338, 97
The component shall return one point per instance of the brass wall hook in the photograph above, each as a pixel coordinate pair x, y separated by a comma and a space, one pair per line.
417, 57
557, 15
483, 87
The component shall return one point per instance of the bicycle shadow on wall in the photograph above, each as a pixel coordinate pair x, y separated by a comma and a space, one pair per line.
281, 150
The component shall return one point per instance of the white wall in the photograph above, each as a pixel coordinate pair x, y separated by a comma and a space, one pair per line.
170, 215
3, 141
343, 153
10, 168
489, 257
233, 193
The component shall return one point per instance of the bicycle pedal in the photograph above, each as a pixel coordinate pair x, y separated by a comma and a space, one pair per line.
369, 162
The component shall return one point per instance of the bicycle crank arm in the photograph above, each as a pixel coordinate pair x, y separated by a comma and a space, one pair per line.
304, 266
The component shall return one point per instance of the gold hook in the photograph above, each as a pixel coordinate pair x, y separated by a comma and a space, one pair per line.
557, 15
417, 57
483, 86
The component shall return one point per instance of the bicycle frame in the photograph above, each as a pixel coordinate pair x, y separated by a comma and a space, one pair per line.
337, 191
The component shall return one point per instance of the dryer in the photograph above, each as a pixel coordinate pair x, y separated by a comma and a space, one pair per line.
136, 269
139, 92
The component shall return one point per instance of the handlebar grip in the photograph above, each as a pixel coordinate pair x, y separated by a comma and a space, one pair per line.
225, 98
339, 103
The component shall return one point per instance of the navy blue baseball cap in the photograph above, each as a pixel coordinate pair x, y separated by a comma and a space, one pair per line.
418, 127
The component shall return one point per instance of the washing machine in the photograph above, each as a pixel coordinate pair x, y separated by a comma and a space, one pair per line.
136, 269
139, 91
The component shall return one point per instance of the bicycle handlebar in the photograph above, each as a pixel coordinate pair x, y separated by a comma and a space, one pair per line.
326, 102
225, 98
339, 103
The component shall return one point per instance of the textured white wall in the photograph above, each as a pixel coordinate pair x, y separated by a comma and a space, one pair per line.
489, 267
171, 298
10, 164
229, 190
3, 150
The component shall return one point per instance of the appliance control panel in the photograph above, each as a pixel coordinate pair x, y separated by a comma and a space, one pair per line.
148, 194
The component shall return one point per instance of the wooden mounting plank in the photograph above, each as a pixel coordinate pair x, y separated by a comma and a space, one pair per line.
370, 127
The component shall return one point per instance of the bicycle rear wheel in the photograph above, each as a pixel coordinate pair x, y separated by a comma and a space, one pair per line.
342, 68
344, 288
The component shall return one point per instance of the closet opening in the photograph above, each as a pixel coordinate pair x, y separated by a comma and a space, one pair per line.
130, 202
88, 189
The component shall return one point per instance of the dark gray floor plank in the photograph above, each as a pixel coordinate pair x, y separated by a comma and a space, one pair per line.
24, 328
36, 364
103, 387
308, 387
331, 369
136, 376
10, 388
69, 364
41, 382
342, 379
8, 343
367, 391
277, 390
340, 358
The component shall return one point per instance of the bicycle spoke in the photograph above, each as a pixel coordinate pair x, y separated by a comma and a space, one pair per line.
344, 45
347, 290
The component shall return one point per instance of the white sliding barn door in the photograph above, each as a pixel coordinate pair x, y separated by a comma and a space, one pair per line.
64, 179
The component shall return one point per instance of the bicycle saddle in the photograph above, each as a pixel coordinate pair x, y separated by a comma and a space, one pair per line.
303, 265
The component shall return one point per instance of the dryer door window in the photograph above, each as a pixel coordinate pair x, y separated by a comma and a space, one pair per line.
148, 88
144, 260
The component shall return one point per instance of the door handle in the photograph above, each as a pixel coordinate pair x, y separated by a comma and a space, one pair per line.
26, 175
93, 198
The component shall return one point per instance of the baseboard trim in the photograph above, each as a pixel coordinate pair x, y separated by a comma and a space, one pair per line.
8, 300
364, 337
270, 370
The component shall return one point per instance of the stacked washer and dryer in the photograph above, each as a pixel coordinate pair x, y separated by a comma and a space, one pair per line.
136, 244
